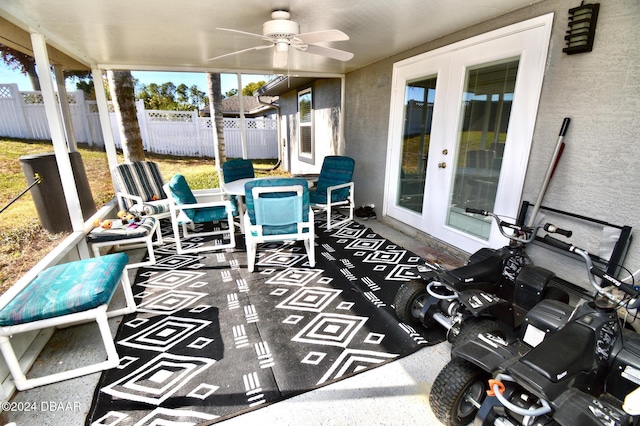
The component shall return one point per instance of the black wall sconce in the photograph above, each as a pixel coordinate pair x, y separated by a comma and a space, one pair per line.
582, 28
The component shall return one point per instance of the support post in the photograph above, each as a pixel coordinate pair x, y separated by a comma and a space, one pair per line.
105, 120
57, 135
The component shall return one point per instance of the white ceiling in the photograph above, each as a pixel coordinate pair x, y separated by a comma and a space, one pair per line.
181, 34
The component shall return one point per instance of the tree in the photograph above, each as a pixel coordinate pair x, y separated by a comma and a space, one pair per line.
197, 97
231, 93
251, 88
84, 82
20, 62
121, 86
214, 87
169, 97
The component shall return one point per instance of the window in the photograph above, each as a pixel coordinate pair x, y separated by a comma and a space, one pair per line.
305, 125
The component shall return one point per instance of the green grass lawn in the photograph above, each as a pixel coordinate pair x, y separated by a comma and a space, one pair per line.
24, 242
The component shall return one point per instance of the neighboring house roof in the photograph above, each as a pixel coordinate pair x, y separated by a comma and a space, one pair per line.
252, 107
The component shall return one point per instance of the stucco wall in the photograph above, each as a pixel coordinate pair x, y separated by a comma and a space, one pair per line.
598, 175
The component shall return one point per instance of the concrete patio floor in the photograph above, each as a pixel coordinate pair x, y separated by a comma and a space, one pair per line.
393, 394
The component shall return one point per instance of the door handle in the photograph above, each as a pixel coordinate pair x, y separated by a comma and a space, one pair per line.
442, 165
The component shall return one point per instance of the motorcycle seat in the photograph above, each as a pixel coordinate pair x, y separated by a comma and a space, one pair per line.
563, 354
485, 270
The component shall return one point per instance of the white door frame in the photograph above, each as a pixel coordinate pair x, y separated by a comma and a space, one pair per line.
528, 40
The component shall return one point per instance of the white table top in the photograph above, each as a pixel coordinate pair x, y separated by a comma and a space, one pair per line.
237, 186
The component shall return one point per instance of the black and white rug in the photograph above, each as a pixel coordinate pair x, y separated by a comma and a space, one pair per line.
210, 340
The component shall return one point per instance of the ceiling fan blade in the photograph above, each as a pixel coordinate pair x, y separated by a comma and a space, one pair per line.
320, 36
280, 59
243, 33
266, 46
329, 52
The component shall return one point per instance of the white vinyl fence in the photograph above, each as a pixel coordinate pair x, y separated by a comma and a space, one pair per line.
180, 133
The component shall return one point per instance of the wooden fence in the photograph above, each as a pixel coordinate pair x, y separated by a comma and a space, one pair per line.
181, 133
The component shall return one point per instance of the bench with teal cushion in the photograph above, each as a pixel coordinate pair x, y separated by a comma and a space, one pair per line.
63, 295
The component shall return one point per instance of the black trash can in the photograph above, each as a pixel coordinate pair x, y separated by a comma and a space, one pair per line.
48, 195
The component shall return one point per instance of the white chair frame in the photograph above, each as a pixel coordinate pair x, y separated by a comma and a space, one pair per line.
252, 241
206, 198
336, 205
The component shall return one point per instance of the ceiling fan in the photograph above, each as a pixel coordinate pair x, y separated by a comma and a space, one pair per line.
281, 32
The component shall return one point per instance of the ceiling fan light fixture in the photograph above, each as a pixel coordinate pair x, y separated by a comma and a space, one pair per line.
282, 46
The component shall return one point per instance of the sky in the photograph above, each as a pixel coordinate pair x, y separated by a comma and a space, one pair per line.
229, 81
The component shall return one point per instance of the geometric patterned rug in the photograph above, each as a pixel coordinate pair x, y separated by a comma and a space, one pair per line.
210, 340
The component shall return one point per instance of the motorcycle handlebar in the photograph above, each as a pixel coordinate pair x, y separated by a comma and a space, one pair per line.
523, 234
557, 243
594, 271
476, 211
555, 230
630, 290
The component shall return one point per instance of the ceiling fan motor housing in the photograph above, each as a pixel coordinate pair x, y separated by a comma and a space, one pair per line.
280, 27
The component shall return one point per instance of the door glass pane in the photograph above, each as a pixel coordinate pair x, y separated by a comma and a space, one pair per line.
486, 107
419, 96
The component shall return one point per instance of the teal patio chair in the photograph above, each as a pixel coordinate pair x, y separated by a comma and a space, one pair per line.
237, 168
334, 189
232, 171
278, 210
189, 208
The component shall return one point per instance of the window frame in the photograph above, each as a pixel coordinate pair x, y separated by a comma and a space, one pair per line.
307, 157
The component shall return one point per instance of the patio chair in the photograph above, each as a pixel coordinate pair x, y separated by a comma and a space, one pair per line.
237, 168
188, 208
334, 188
232, 171
138, 188
278, 210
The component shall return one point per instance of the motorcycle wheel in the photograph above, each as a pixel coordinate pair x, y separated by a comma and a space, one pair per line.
409, 301
457, 392
474, 326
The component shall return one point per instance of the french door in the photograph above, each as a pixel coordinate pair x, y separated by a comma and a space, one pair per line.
461, 124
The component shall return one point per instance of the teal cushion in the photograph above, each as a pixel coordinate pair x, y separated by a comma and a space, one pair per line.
65, 289
335, 170
210, 214
182, 193
237, 168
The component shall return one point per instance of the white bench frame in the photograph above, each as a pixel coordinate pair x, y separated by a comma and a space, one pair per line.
99, 314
